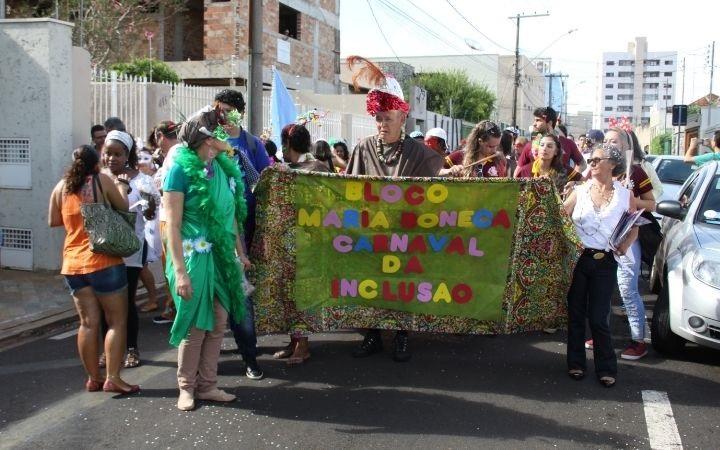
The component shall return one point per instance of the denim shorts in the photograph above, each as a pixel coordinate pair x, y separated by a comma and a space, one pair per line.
104, 282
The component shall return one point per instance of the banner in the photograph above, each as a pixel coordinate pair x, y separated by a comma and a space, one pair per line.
443, 255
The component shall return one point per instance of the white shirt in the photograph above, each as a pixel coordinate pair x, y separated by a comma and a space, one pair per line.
141, 183
594, 227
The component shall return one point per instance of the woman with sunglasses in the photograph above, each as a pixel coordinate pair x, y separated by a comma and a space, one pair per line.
483, 159
596, 207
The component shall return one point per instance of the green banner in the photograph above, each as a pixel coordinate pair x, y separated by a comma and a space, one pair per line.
440, 255
422, 247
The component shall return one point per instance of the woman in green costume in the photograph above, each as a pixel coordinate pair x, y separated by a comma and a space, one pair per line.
203, 194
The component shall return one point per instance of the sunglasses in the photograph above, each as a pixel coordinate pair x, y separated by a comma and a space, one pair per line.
593, 161
490, 128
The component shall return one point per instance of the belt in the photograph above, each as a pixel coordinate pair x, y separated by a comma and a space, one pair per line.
595, 253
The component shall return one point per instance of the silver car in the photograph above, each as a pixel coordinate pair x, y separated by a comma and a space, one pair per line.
686, 270
672, 172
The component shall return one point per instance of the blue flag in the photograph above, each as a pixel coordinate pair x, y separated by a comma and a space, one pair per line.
282, 107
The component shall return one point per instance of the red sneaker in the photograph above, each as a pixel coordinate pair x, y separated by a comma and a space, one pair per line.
589, 344
635, 350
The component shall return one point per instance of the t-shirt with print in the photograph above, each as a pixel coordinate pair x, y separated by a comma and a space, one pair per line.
570, 153
640, 182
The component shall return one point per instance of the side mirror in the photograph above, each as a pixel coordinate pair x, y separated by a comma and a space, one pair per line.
671, 208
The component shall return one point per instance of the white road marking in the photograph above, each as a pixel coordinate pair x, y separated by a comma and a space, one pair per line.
662, 430
61, 336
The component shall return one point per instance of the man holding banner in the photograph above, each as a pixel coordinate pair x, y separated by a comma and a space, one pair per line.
389, 153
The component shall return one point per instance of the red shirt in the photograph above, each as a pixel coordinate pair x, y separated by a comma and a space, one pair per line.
639, 181
457, 157
570, 152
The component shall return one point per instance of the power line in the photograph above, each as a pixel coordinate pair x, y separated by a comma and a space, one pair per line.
382, 32
476, 28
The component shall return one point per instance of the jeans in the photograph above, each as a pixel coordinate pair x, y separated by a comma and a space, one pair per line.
104, 282
627, 275
589, 297
244, 332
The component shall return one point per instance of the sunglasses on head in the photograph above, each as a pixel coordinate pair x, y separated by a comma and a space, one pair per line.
490, 128
593, 161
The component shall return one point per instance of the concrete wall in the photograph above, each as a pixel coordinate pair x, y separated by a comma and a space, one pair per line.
38, 65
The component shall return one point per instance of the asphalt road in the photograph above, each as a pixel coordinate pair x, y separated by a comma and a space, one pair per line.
456, 392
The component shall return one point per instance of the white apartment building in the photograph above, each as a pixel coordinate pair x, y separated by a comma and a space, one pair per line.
636, 80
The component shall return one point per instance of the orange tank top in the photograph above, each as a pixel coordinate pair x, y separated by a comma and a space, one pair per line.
78, 259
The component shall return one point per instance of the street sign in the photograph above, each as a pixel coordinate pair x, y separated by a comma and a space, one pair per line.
679, 115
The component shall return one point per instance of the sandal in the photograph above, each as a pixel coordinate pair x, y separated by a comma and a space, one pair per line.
132, 359
102, 362
576, 374
149, 307
607, 381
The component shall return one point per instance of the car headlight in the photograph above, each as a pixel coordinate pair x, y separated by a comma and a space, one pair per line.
706, 267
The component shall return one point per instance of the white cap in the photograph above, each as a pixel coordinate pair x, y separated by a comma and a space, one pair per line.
437, 132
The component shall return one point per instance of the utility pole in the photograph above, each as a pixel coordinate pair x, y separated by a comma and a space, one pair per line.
712, 70
682, 102
667, 85
255, 78
517, 18
2, 9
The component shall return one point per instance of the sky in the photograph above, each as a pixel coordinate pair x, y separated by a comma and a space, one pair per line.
600, 27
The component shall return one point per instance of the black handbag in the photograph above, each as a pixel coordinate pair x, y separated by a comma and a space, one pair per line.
650, 237
110, 232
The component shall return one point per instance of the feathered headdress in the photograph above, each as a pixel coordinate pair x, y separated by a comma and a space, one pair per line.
386, 95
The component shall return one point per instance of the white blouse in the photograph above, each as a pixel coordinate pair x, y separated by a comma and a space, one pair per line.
594, 227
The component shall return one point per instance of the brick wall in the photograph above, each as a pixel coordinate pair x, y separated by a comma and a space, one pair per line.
219, 30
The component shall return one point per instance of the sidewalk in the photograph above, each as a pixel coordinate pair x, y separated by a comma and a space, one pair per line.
31, 302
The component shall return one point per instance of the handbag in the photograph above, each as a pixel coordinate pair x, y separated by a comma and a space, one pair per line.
110, 232
650, 237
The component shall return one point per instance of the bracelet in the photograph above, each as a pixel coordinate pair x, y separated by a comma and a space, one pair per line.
123, 181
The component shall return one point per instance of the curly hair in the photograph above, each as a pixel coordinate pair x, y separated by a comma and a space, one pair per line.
232, 98
85, 162
480, 133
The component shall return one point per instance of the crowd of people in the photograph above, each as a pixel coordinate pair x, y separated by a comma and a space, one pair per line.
191, 185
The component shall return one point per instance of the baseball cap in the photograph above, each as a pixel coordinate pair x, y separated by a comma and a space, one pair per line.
596, 135
437, 132
416, 134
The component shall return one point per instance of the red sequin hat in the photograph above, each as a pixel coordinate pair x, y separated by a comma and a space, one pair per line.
387, 95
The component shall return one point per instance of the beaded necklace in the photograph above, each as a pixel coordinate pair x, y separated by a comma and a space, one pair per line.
394, 155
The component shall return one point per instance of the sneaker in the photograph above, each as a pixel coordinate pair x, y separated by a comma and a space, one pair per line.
635, 350
370, 345
253, 370
589, 344
166, 317
401, 352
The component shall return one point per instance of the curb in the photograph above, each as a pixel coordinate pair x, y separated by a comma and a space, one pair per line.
42, 323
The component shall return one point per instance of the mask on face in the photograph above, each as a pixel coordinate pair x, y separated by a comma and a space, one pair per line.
144, 159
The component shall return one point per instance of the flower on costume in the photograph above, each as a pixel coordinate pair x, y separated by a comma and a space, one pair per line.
187, 246
220, 134
234, 117
492, 171
232, 185
201, 245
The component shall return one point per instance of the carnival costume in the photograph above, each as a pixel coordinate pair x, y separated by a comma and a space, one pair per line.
215, 201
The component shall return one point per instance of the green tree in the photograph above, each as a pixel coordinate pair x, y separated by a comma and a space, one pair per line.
661, 143
152, 69
111, 30
470, 101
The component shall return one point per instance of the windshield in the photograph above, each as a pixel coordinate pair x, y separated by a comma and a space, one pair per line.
674, 171
709, 211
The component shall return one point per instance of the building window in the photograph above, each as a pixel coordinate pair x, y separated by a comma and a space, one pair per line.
624, 108
651, 85
668, 62
626, 62
608, 108
652, 62
608, 97
289, 23
651, 74
626, 85
667, 74
609, 74
608, 86
606, 120
610, 63
625, 74
650, 97
667, 97
667, 85
645, 109
625, 97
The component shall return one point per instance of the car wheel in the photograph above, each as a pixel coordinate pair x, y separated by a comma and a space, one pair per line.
663, 339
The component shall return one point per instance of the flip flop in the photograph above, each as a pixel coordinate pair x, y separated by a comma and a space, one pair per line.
607, 381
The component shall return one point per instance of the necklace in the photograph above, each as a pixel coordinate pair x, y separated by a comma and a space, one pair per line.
394, 155
605, 196
582, 217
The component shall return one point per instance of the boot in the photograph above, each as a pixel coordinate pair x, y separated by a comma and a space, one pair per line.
401, 353
370, 345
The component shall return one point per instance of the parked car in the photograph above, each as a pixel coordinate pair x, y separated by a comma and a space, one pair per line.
673, 172
686, 270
